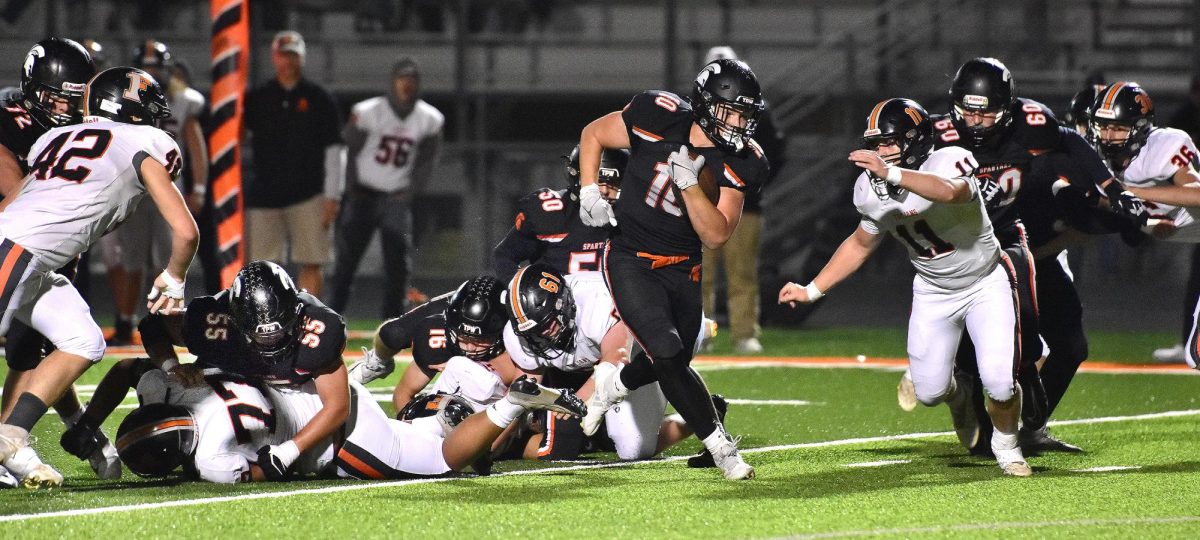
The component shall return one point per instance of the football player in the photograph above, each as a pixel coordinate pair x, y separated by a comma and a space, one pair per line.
1005, 133
223, 422
263, 329
662, 219
929, 202
561, 328
1157, 164
456, 334
548, 228
84, 181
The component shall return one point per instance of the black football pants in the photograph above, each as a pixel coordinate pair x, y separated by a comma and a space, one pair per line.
364, 210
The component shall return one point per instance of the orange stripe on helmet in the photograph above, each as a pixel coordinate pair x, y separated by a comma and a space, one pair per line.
1112, 94
873, 118
514, 297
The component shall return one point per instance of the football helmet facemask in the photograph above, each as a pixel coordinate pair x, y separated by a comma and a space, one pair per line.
542, 311
265, 308
726, 102
982, 85
53, 79
475, 318
612, 168
156, 438
1123, 106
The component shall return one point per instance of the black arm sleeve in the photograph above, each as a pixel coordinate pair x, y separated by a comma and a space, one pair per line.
1082, 153
514, 249
398, 333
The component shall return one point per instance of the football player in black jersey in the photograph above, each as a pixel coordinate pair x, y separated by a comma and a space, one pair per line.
468, 322
52, 80
661, 220
263, 329
548, 228
1006, 133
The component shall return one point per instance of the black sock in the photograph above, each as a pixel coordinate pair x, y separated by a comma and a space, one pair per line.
685, 390
28, 410
1057, 373
639, 372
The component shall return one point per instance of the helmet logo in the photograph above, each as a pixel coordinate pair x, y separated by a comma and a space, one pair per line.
912, 113
36, 52
972, 100
713, 69
268, 328
1144, 101
1104, 112
471, 329
137, 84
549, 282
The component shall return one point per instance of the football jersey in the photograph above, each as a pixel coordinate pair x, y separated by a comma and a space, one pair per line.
651, 216
1166, 151
950, 245
210, 335
233, 420
84, 181
385, 161
185, 105
18, 131
595, 314
567, 245
422, 329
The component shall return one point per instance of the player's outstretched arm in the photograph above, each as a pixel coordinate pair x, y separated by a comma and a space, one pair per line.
334, 390
1183, 191
848, 258
931, 186
184, 236
608, 131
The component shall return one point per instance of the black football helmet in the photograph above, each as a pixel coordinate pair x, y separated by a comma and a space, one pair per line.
111, 94
450, 409
265, 308
542, 311
1122, 104
981, 85
1079, 114
612, 168
56, 70
723, 88
476, 316
151, 53
902, 122
155, 439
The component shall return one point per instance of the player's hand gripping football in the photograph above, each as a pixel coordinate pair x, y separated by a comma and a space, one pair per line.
870, 161
166, 296
594, 210
685, 170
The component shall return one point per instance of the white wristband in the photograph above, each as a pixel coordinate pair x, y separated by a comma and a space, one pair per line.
813, 292
287, 453
893, 175
174, 287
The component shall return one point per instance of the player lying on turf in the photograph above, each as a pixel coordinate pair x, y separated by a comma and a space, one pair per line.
929, 201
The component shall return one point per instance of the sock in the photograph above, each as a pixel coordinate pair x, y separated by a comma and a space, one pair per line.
716, 439
70, 421
28, 410
503, 412
685, 390
637, 373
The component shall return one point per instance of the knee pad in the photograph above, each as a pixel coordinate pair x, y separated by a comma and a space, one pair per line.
88, 343
1001, 392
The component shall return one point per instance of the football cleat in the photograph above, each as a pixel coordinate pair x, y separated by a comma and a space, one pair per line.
1169, 355
906, 393
34, 474
12, 439
729, 460
371, 367
528, 393
105, 461
1040, 440
1012, 462
7, 480
962, 414
704, 459
604, 396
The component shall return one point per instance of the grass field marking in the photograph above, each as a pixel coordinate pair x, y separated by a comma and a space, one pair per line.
1109, 468
884, 463
784, 402
1002, 525
606, 465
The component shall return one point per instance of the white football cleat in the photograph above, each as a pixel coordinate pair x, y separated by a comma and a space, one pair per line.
906, 393
371, 367
7, 480
12, 439
26, 465
604, 395
1012, 462
726, 456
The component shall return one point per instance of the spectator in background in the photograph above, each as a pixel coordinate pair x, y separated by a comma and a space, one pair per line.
394, 141
739, 256
299, 159
1187, 118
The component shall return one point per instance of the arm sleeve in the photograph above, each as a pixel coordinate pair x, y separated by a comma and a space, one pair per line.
869, 225
1085, 156
398, 333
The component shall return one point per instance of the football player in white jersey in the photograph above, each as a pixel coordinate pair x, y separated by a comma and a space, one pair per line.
228, 421
1157, 164
930, 202
84, 181
560, 326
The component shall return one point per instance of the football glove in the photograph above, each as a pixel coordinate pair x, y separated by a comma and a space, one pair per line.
685, 171
276, 460
593, 209
166, 295
990, 192
82, 439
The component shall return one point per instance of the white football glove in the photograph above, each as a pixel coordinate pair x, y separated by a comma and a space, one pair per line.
166, 296
685, 171
594, 210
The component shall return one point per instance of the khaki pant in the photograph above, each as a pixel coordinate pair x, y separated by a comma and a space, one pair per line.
270, 231
740, 258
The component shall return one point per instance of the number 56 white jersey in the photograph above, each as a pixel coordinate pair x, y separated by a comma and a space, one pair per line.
950, 245
84, 180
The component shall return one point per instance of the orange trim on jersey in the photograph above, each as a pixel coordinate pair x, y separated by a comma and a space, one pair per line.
661, 261
10, 261
548, 440
652, 137
551, 236
873, 118
733, 177
520, 220
514, 296
359, 466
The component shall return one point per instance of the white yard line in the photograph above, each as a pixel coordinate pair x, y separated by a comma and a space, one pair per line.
884, 463
999, 526
1110, 468
551, 470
